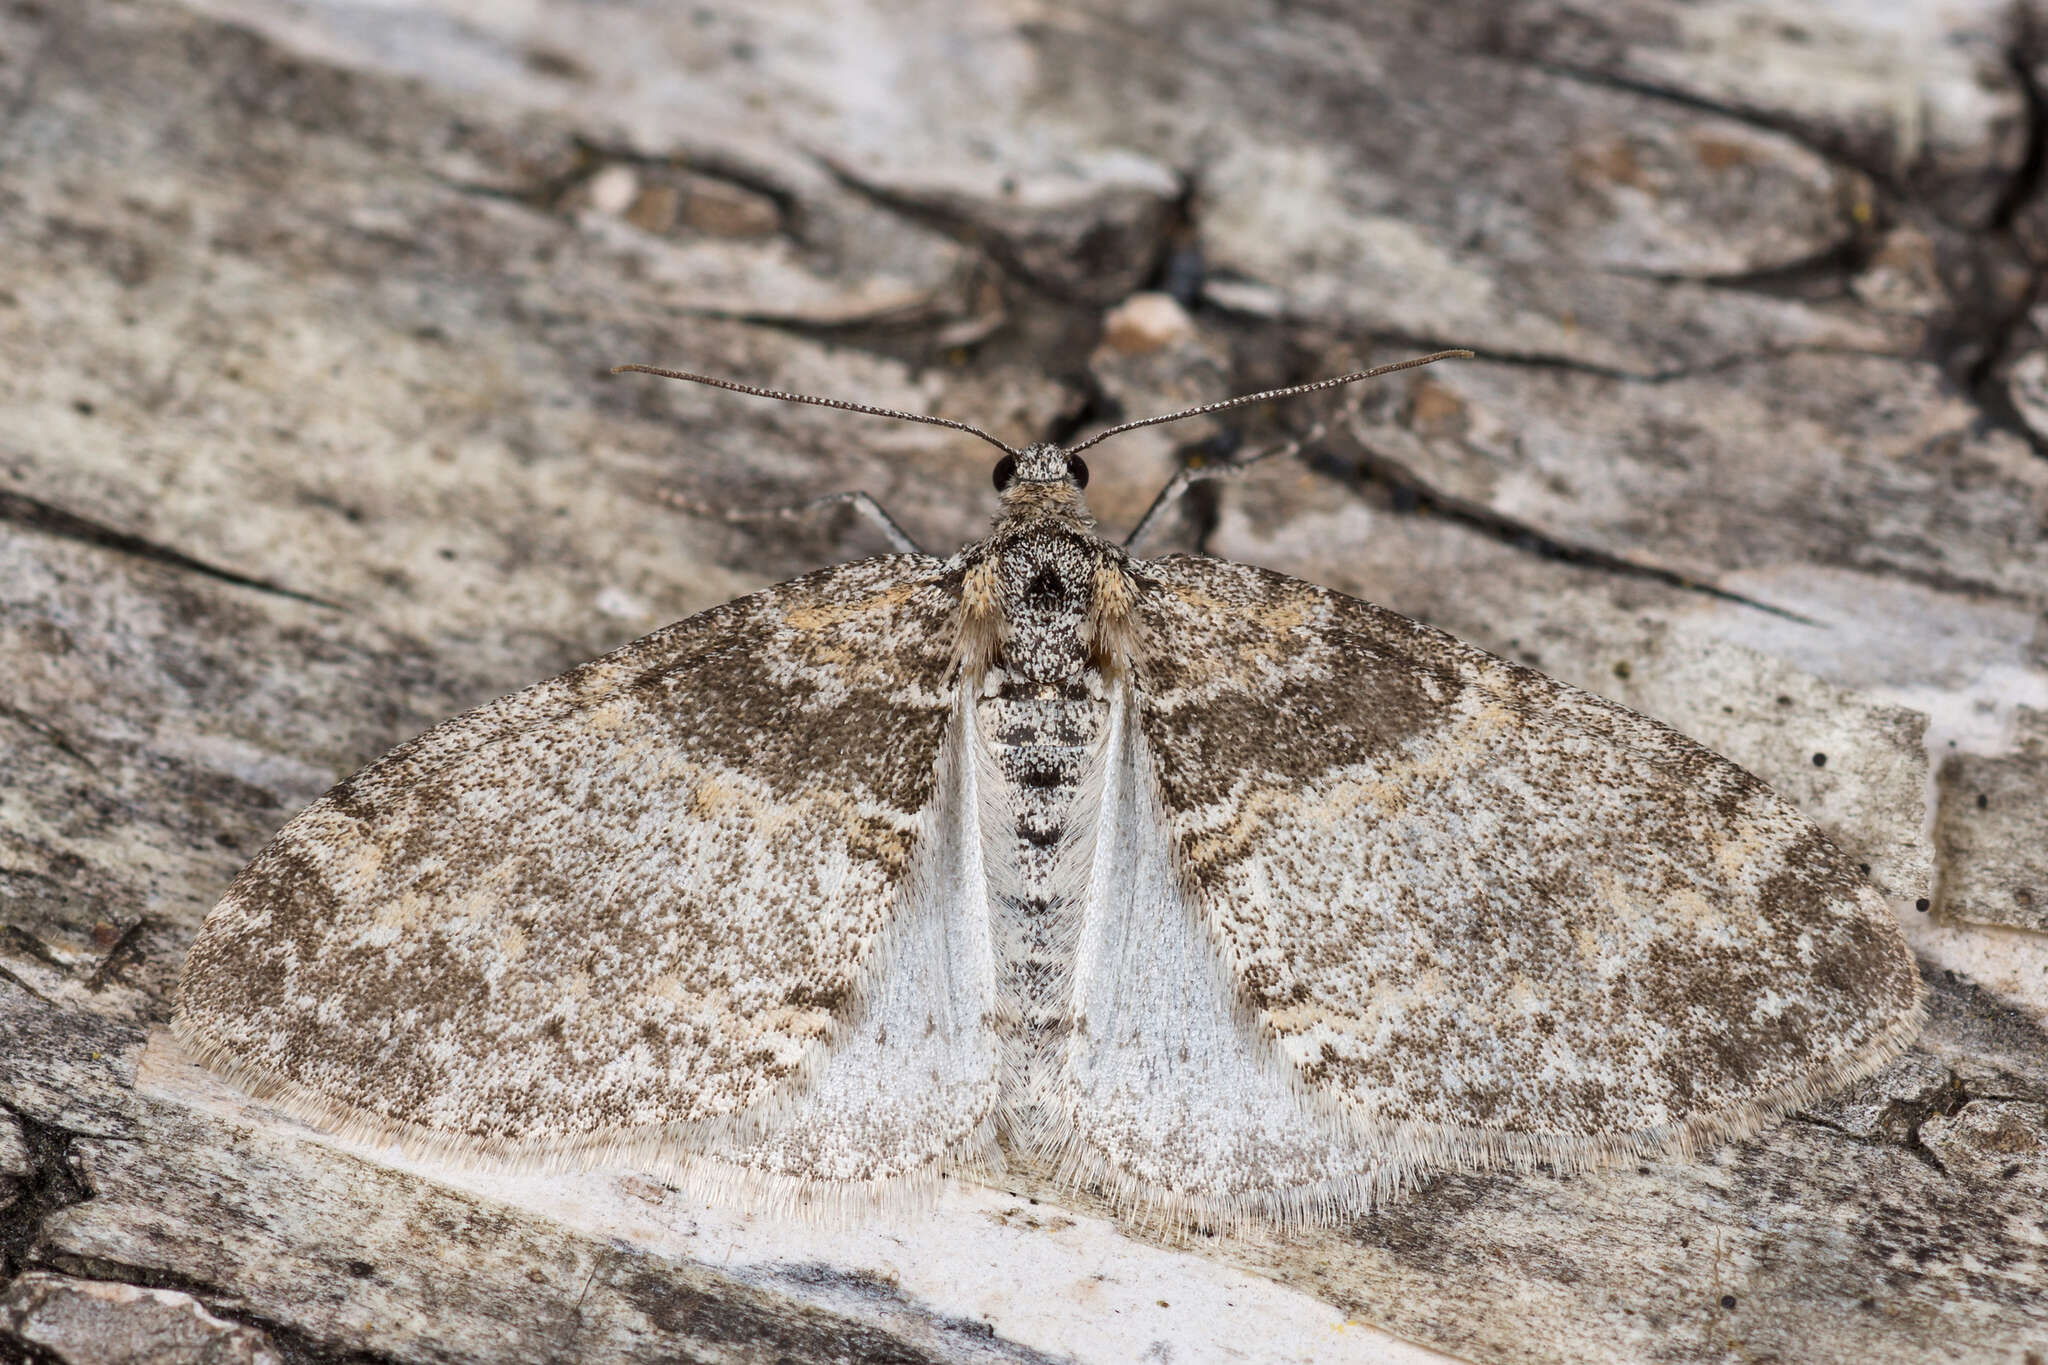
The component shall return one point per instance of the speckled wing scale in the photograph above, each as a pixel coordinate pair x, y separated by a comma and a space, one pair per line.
1225, 894
1472, 916
717, 892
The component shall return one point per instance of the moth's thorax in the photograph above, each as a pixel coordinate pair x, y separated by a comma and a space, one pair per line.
1045, 586
1046, 601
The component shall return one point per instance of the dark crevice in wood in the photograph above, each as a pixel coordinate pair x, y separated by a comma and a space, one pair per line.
1673, 376
1914, 1113
1991, 334
293, 1347
51, 1185
1202, 503
1179, 265
17, 939
960, 226
1830, 149
789, 205
125, 952
109, 1271
1979, 337
15, 1351
1823, 274
1939, 580
912, 337
2026, 181
1812, 1120
30, 991
872, 1290
1408, 494
49, 734
1096, 408
1947, 1104
1567, 365
18, 509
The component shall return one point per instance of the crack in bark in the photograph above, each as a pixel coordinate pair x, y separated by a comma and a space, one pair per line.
1923, 1153
123, 953
1900, 1120
789, 204
33, 514
30, 991
1832, 266
1570, 365
1816, 1121
575, 1316
1828, 149
294, 1346
960, 225
1411, 493
1683, 373
1938, 580
111, 1271
2028, 176
546, 193
27, 944
947, 221
51, 1185
1983, 380
1952, 1097
49, 734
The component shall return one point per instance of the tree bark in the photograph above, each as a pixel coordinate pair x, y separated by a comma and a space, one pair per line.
306, 311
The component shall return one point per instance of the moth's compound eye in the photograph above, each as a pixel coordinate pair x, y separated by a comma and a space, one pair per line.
1077, 469
1006, 472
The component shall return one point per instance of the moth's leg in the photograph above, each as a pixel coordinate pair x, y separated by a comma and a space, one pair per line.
899, 540
1188, 478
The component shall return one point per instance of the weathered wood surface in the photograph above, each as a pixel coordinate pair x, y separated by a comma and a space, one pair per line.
304, 313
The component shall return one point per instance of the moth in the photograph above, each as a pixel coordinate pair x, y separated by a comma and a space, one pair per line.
1228, 895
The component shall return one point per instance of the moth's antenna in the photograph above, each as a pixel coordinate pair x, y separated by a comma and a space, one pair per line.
840, 403
1269, 393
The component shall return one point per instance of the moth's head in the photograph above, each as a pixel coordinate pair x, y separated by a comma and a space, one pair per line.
1040, 480
1032, 471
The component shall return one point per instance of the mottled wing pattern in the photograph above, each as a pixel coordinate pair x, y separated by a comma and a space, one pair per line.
915, 1080
1485, 915
645, 897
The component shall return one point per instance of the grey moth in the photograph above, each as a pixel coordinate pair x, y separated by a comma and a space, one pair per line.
1220, 892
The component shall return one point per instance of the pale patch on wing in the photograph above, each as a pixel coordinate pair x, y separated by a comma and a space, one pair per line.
1485, 916
914, 1081
1169, 1096
614, 914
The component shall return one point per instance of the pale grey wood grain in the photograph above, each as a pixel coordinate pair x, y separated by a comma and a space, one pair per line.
303, 317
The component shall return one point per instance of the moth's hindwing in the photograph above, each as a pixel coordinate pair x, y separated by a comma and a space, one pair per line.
637, 909
1476, 915
1174, 1103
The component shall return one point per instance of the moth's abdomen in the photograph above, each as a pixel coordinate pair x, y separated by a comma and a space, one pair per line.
1041, 766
